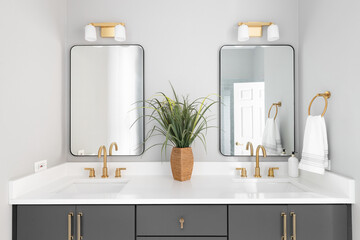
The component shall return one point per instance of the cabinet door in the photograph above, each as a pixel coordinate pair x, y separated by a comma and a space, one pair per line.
44, 222
105, 222
319, 222
256, 222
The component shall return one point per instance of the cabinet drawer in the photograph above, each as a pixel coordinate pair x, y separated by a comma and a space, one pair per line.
199, 220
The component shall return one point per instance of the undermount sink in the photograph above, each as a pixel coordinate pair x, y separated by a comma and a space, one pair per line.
92, 188
267, 187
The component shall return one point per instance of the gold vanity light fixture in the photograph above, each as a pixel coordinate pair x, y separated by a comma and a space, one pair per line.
108, 30
254, 29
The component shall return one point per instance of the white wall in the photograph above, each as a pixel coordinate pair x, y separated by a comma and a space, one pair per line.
182, 39
31, 91
329, 61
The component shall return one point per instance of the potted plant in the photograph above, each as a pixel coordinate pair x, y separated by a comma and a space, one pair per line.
181, 121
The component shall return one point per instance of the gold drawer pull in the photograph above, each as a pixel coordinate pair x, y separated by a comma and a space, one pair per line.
284, 236
70, 236
79, 215
293, 237
182, 222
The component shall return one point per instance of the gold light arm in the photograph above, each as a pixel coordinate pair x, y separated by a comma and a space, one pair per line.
255, 24
249, 145
111, 148
107, 24
325, 95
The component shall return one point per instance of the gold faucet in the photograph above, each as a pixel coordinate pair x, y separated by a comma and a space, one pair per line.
257, 168
111, 147
249, 144
102, 149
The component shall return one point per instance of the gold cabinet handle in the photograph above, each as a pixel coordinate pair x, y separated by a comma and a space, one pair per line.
293, 215
70, 236
284, 236
182, 222
239, 144
79, 215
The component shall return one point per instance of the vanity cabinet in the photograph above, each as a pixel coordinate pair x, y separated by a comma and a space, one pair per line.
296, 222
182, 222
90, 222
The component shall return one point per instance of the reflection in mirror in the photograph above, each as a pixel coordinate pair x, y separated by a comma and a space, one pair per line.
257, 95
106, 99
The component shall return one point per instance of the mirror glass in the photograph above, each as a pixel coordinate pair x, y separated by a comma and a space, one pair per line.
257, 99
107, 90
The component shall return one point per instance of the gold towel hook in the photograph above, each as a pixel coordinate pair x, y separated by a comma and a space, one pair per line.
277, 105
325, 95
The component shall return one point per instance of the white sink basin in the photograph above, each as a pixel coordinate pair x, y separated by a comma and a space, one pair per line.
258, 186
92, 188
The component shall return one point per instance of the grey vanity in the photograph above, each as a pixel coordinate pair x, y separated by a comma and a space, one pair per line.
182, 222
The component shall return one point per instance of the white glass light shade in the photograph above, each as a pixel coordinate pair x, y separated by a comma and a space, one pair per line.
90, 33
273, 33
243, 33
120, 33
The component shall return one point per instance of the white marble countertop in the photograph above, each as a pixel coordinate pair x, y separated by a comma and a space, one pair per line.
151, 183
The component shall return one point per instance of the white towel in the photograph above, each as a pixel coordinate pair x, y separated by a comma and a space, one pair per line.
271, 137
315, 146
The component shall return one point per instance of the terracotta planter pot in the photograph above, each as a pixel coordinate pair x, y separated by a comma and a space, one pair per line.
182, 163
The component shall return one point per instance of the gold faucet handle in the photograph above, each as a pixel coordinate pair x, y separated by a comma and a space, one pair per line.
243, 172
118, 172
91, 173
271, 171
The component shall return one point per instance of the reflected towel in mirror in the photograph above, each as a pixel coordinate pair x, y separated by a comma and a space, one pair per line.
271, 137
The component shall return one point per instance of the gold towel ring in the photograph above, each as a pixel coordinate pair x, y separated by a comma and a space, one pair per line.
325, 95
277, 105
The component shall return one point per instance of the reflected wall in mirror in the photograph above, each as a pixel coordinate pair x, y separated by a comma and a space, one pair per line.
107, 93
257, 95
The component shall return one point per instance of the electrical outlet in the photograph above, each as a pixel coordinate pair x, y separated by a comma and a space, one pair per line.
40, 165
